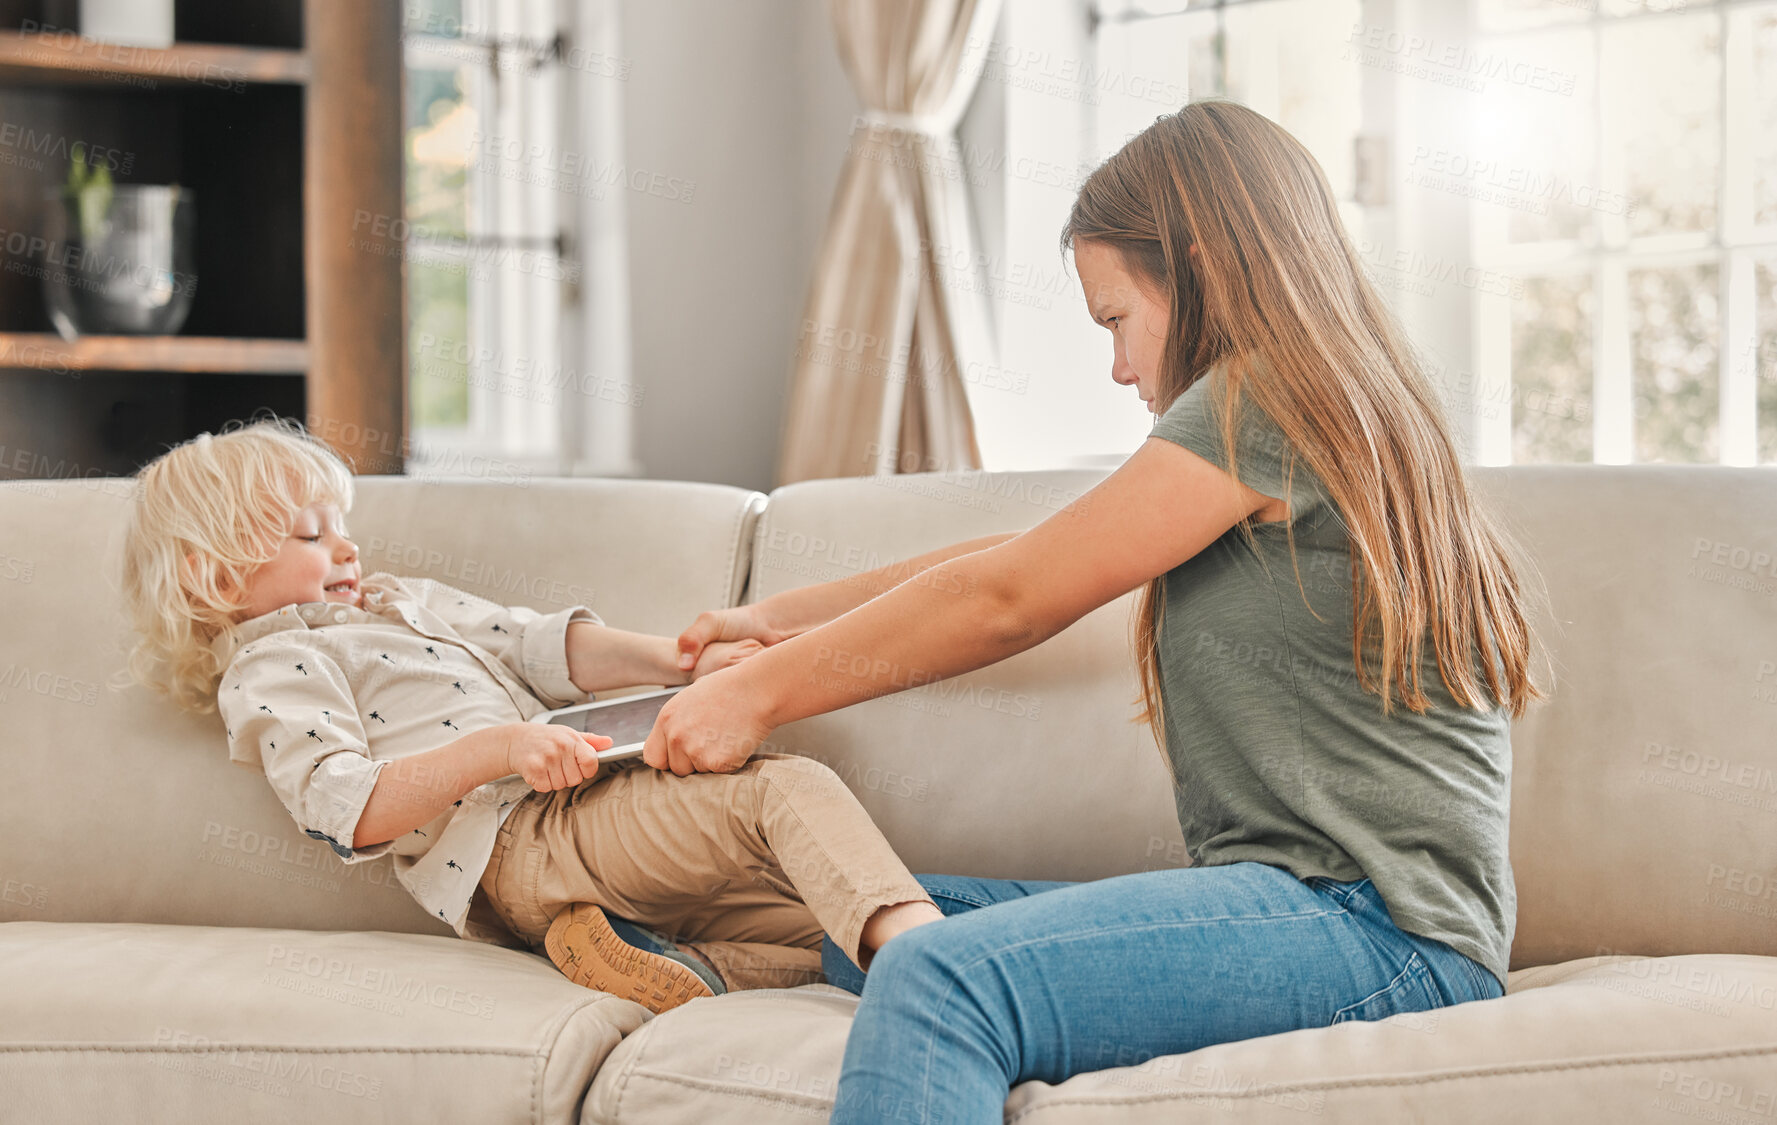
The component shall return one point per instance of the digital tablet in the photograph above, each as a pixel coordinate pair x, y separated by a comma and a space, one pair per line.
625, 721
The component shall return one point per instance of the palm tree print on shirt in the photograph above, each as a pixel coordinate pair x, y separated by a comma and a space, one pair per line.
432, 650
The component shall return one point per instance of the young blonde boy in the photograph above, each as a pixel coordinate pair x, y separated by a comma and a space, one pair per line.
389, 716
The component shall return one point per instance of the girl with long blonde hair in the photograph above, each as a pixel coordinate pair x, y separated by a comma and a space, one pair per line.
1333, 638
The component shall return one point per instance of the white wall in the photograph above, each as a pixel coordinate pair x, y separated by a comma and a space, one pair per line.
749, 101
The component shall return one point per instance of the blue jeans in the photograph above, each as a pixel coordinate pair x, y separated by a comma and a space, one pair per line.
1043, 981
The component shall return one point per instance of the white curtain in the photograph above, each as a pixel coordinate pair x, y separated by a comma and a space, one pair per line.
893, 322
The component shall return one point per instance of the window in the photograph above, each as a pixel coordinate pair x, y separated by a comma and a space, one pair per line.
1639, 214
1072, 97
1571, 204
511, 108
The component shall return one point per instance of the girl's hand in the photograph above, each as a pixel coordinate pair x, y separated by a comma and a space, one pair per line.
741, 623
721, 654
551, 756
713, 726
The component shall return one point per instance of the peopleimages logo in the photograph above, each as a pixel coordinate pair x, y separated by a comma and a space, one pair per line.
861, 672
61, 149
1760, 563
1734, 566
587, 167
1509, 184
91, 270
258, 1069
1458, 61
1712, 1100
1066, 76
52, 684
378, 980
1713, 767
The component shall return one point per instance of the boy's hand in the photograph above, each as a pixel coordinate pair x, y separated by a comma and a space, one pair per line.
550, 756
721, 654
715, 626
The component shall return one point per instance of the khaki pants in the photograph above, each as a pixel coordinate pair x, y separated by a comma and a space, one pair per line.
749, 866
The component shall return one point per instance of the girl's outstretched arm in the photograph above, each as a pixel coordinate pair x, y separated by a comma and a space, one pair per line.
791, 612
1159, 509
797, 611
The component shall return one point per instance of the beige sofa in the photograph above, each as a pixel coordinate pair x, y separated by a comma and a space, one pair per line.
173, 949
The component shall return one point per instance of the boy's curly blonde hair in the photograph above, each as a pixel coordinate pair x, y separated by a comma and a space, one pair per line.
205, 515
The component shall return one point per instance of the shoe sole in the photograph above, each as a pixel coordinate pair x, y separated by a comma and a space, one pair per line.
588, 951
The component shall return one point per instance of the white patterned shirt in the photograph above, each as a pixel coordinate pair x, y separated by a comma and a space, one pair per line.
320, 696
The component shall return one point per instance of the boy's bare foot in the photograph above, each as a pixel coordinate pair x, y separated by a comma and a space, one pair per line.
891, 922
590, 953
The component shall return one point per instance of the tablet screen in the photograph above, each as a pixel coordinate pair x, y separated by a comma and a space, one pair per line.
624, 721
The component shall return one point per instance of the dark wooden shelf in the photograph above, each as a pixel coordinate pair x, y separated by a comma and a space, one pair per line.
63, 59
45, 351
284, 117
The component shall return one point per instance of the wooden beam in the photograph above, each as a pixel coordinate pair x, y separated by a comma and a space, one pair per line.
63, 58
357, 308
46, 351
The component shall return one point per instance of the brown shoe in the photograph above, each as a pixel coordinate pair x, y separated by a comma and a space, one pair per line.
590, 953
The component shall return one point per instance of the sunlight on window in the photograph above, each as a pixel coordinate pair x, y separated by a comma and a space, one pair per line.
439, 123
1531, 173
1675, 329
1181, 47
1666, 89
1552, 370
1647, 7
438, 377
1624, 209
1764, 359
1518, 15
1761, 26
1281, 58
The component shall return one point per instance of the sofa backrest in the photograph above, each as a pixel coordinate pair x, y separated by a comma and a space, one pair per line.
119, 807
1644, 795
1644, 814
1030, 768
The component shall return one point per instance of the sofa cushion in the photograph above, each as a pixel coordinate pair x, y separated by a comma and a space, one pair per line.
197, 1024
1598, 1039
120, 807
761, 1056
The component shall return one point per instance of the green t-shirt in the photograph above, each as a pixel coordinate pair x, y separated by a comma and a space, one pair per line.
1278, 756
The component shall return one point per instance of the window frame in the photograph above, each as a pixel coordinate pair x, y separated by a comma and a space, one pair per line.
523, 277
1736, 244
